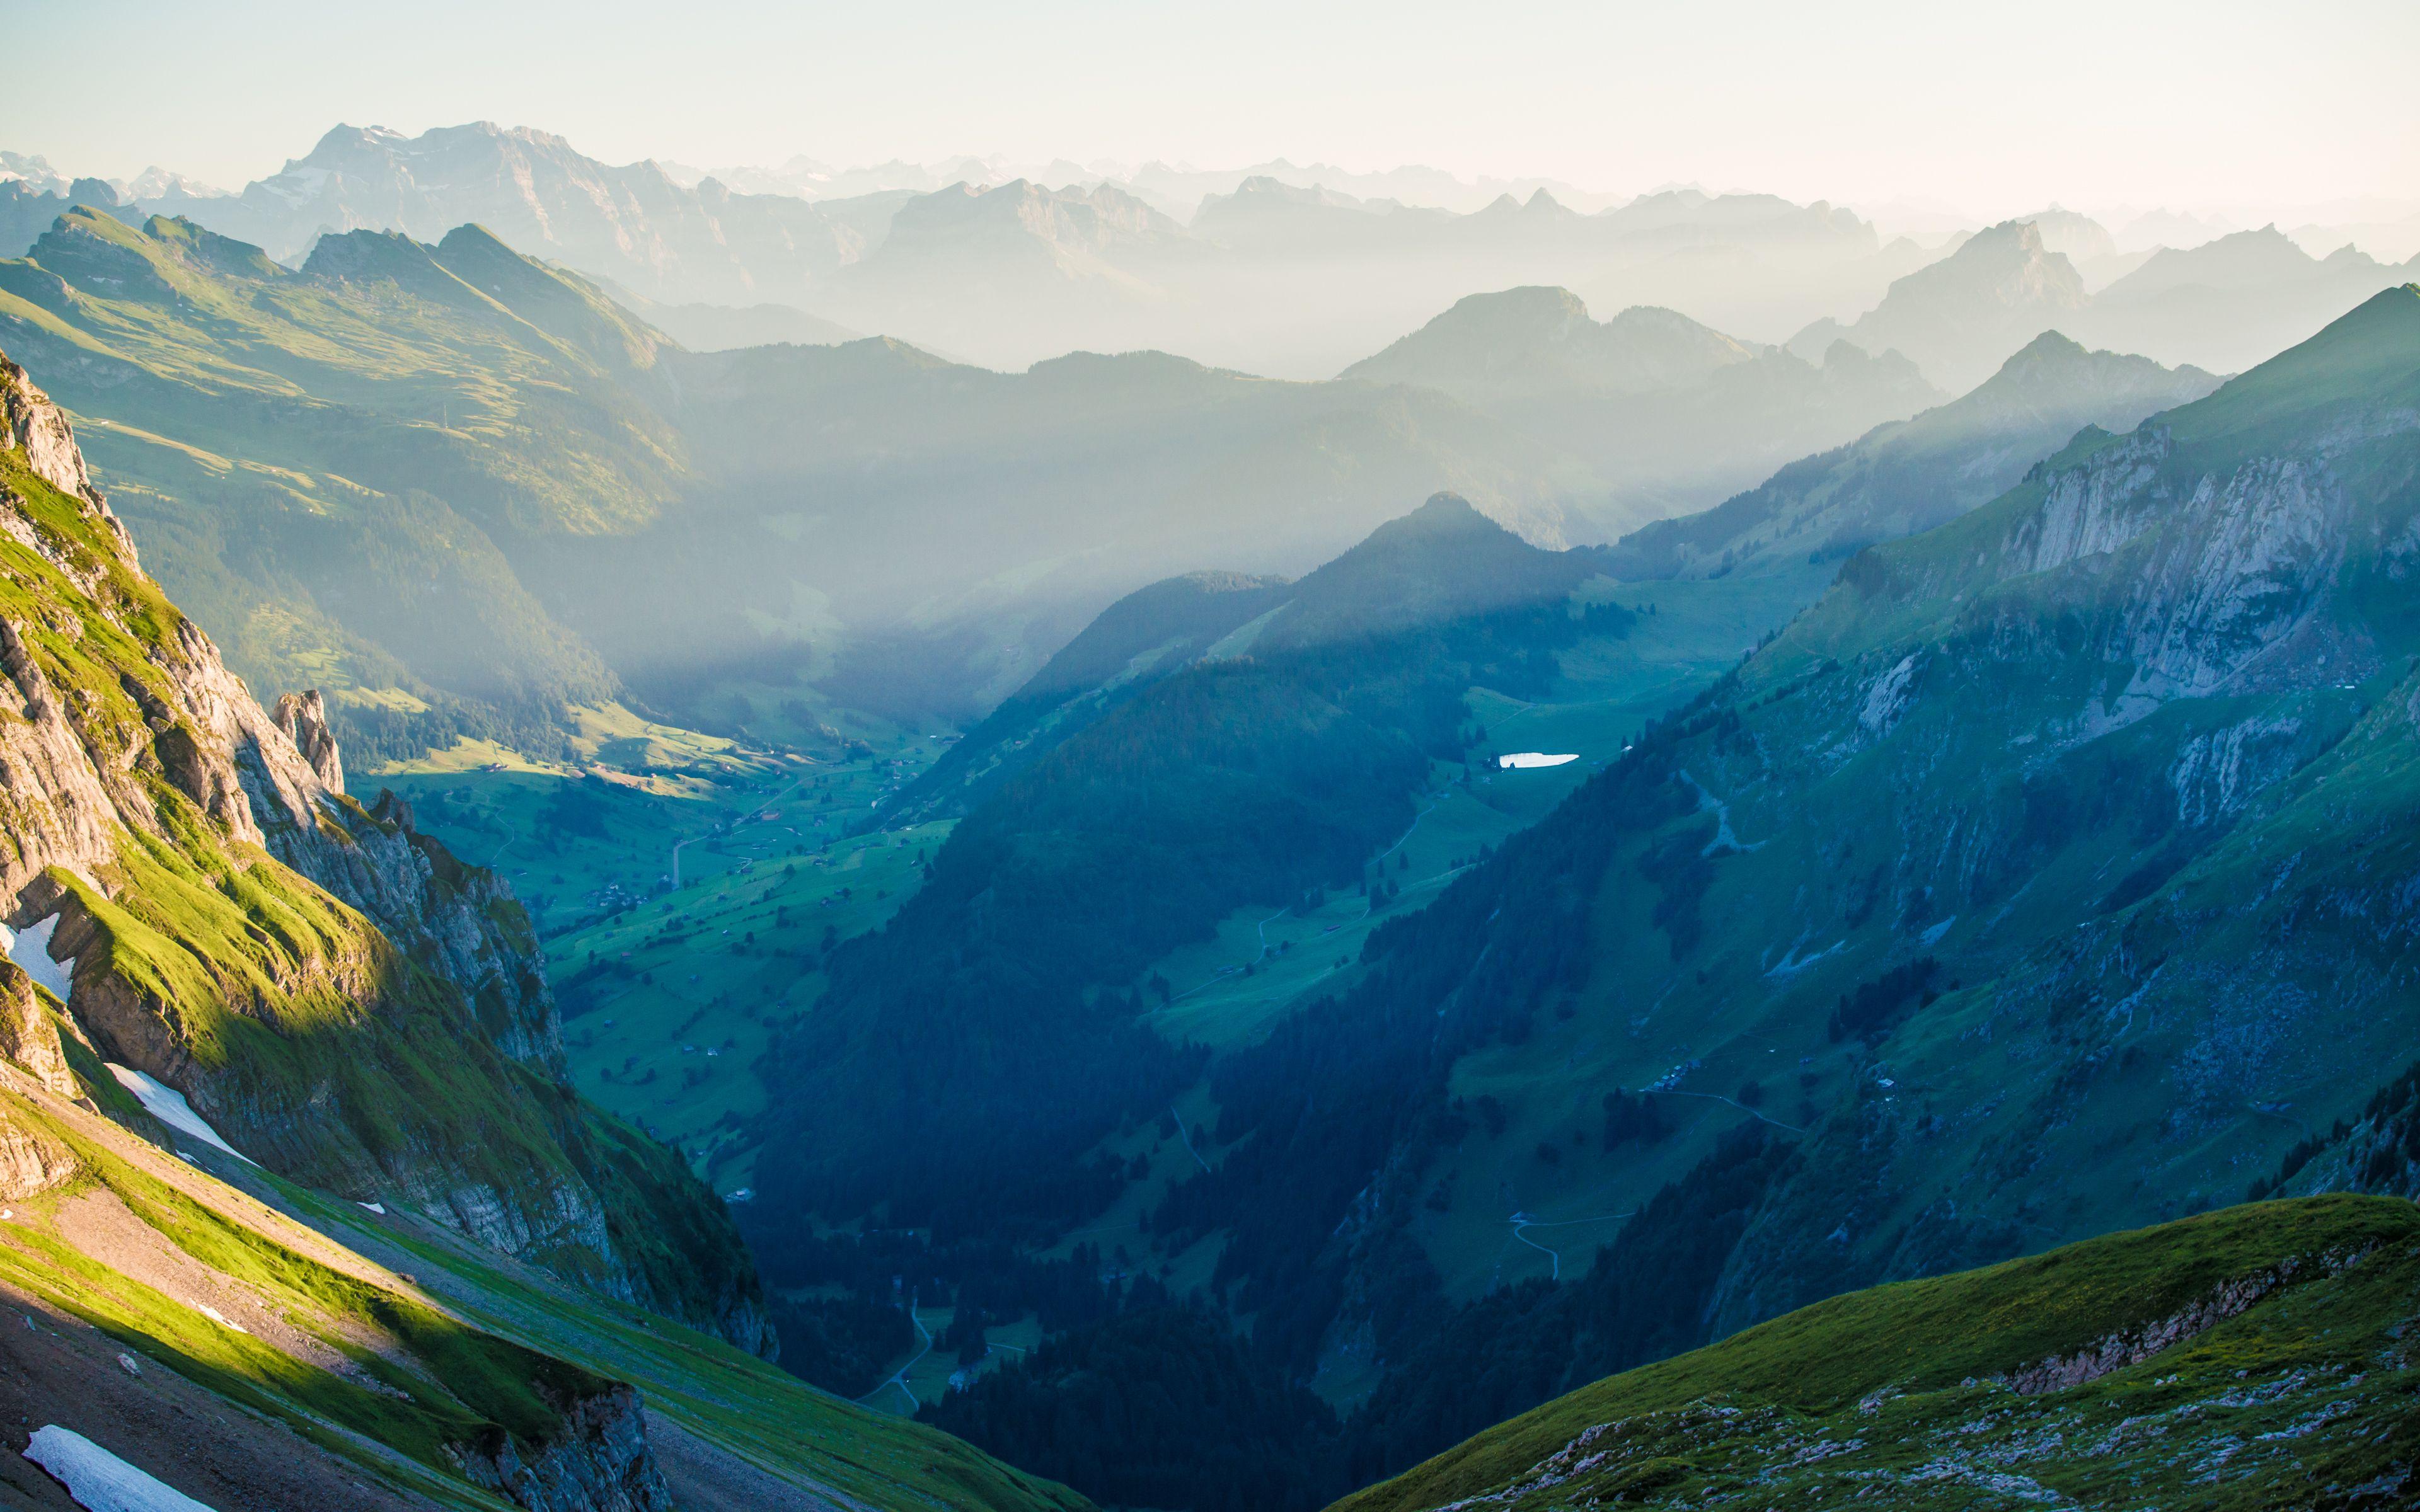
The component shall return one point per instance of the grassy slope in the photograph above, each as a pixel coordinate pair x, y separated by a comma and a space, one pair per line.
472, 1341
322, 467
2309, 1392
419, 1382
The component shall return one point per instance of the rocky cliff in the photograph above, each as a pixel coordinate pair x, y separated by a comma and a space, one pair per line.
600, 1463
337, 993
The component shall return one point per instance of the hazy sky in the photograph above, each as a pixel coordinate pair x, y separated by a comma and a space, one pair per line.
1993, 108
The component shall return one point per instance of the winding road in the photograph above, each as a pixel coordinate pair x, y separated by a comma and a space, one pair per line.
753, 808
1523, 1221
1717, 1097
900, 1378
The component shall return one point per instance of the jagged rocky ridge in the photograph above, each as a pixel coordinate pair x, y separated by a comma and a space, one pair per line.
339, 996
1911, 475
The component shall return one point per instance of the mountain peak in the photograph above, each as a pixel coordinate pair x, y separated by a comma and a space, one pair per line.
1443, 516
364, 253
2009, 240
1442, 559
1446, 511
473, 237
1520, 339
2049, 346
1960, 317
2056, 376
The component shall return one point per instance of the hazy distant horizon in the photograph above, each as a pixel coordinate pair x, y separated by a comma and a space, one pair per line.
1912, 213
2232, 110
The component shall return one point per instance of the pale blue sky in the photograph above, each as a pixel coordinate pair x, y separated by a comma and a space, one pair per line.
1994, 108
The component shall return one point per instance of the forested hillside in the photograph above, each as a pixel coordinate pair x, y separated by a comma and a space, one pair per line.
964, 1057
1860, 1020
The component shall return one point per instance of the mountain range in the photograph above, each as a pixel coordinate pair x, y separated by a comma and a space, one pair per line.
1901, 1068
1006, 273
1905, 477
396, 416
403, 472
1288, 272
1667, 413
2222, 305
1982, 908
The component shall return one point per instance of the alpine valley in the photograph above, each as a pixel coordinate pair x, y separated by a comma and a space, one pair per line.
1204, 841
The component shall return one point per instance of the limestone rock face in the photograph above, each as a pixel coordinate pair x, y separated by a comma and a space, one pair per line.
601, 1463
35, 425
87, 776
304, 716
27, 1035
29, 1162
460, 921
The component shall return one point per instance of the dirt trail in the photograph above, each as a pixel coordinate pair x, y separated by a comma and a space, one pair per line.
1523, 1221
100, 1225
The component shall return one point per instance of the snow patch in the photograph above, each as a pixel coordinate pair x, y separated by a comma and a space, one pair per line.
168, 1105
1886, 700
1792, 963
30, 948
1523, 759
101, 1481
222, 1320
379, 1208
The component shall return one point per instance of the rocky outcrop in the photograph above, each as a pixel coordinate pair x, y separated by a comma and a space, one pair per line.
185, 844
27, 1035
71, 775
601, 1463
30, 1161
460, 921
2135, 1345
35, 428
304, 716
